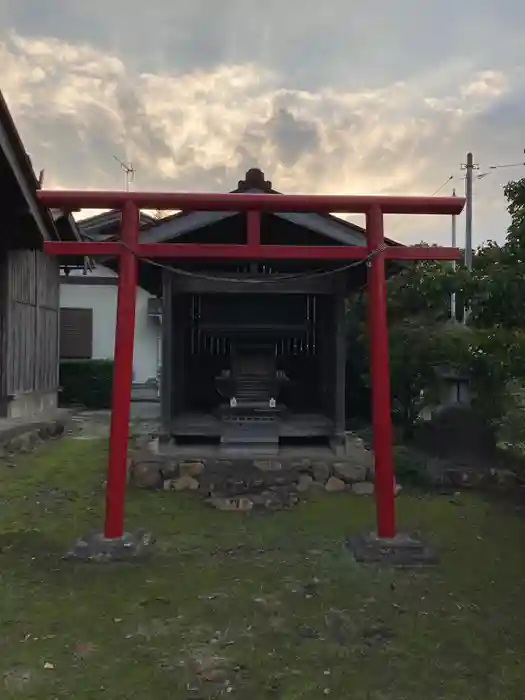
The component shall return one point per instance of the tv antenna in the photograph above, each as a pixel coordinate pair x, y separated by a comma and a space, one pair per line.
129, 172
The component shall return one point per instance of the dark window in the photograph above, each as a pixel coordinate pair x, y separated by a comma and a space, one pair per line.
76, 334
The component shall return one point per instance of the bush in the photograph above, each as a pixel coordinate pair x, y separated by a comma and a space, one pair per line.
86, 383
511, 425
410, 466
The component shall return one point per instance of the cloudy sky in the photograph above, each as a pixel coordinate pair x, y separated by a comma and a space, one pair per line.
335, 96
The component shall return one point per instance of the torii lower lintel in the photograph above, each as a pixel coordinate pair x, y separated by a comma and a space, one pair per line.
129, 250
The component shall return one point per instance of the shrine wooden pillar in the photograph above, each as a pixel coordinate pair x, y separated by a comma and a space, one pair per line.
178, 353
380, 376
166, 363
340, 369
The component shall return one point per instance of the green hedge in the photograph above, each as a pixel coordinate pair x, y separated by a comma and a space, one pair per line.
86, 383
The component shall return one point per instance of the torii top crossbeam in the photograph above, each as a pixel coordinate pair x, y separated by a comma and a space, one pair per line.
129, 250
348, 204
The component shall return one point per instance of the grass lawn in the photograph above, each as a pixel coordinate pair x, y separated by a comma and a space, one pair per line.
251, 606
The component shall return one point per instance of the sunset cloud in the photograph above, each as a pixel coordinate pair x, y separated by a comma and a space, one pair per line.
190, 120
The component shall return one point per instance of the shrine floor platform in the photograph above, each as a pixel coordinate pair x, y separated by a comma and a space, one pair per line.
293, 425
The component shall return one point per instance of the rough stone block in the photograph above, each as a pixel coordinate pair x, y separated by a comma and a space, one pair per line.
357, 453
321, 471
193, 469
185, 483
350, 472
334, 485
363, 488
305, 482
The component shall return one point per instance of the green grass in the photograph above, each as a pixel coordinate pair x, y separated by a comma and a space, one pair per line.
251, 606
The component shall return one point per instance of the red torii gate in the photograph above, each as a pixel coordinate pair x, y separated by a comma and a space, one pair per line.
128, 250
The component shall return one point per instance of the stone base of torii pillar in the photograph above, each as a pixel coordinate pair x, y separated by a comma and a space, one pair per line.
403, 550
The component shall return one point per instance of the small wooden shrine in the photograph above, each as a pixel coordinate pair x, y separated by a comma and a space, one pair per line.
254, 353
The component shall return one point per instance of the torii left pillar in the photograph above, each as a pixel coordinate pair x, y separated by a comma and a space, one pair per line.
115, 544
123, 375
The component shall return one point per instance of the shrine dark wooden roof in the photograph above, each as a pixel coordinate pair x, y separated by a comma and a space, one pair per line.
183, 223
25, 222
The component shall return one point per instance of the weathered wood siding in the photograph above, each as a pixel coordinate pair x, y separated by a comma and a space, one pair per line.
3, 329
29, 325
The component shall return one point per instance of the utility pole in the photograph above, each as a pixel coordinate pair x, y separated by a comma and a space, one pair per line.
469, 177
454, 243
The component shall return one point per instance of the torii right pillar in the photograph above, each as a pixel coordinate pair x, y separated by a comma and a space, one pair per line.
385, 545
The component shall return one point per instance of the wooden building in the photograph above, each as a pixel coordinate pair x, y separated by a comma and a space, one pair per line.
29, 288
254, 354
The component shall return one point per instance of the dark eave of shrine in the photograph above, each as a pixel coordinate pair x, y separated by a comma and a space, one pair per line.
101, 227
107, 223
26, 222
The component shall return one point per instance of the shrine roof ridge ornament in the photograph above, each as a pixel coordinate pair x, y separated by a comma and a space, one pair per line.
254, 180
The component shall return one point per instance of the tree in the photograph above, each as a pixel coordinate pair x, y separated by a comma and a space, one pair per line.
490, 348
497, 286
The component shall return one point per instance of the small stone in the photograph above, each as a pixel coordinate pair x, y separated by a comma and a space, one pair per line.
350, 472
305, 483
232, 504
321, 471
334, 485
49, 666
185, 483
363, 488
191, 468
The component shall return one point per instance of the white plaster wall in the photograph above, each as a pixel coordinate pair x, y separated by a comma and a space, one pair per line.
103, 301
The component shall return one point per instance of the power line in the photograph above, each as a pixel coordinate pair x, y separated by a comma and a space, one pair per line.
508, 165
443, 185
